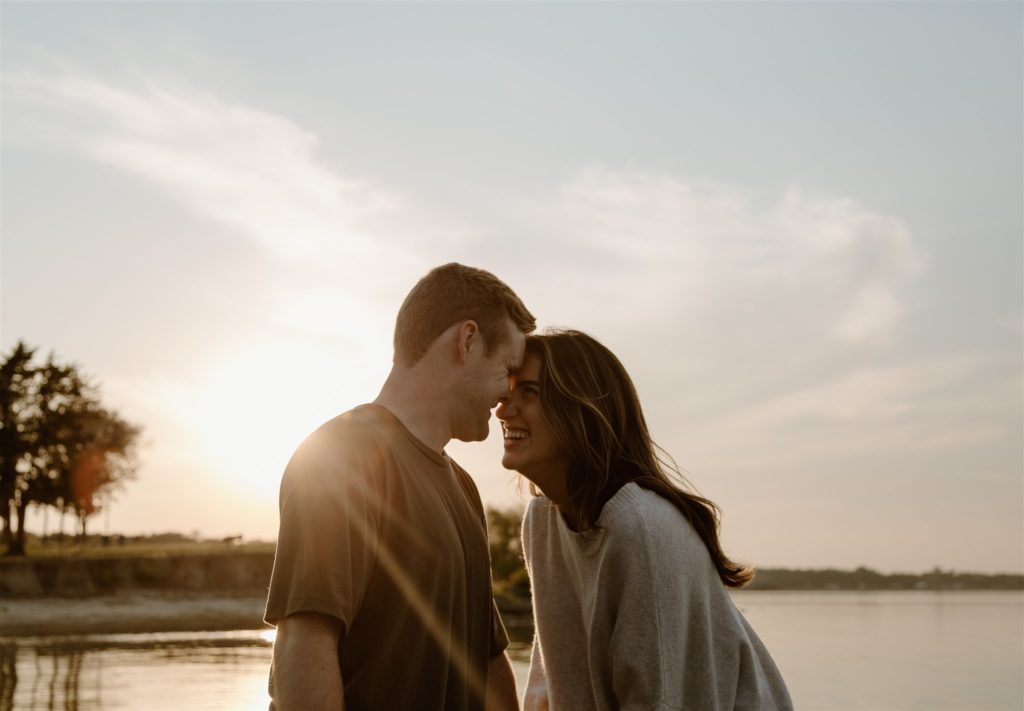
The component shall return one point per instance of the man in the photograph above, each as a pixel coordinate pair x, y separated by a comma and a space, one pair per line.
381, 590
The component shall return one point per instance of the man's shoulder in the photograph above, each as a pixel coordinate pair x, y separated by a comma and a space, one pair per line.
364, 425
354, 439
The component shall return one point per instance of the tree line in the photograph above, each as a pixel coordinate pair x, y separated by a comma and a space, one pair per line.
60, 448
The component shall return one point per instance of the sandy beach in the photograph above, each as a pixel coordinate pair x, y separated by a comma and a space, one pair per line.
135, 612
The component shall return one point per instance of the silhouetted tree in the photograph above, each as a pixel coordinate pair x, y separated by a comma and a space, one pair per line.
60, 447
16, 442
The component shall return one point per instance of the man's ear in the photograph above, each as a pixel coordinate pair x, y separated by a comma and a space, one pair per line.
467, 338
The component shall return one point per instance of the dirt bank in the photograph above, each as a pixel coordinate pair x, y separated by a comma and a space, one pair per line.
139, 612
86, 576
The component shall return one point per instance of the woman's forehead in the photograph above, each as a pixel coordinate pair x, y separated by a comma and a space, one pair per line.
530, 369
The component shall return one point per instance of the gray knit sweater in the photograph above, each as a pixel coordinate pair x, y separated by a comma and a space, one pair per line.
634, 616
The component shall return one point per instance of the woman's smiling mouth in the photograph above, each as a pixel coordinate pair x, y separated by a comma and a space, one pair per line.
514, 435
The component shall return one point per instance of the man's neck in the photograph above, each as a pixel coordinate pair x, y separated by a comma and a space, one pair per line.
418, 406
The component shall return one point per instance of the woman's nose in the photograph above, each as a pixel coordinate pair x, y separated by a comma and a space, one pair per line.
502, 410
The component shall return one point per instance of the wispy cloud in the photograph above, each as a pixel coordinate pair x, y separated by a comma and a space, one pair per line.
930, 404
817, 263
250, 170
341, 249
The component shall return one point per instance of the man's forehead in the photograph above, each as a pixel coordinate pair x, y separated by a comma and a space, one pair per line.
528, 369
515, 361
516, 351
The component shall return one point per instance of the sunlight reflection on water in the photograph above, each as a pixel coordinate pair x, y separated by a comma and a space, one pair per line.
205, 671
196, 670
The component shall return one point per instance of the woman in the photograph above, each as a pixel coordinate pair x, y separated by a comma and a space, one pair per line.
629, 580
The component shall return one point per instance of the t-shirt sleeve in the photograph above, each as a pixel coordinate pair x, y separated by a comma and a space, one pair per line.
329, 531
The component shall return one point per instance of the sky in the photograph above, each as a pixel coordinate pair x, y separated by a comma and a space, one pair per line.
799, 226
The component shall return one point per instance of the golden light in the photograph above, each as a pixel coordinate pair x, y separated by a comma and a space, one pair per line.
255, 410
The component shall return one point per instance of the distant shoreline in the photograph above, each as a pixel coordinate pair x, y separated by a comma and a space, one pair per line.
865, 579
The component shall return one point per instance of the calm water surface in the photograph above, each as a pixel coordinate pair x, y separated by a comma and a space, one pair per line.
838, 651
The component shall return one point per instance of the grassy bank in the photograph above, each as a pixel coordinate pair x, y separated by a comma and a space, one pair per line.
88, 573
147, 549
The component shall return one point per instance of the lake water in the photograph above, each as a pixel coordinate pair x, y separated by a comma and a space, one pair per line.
865, 651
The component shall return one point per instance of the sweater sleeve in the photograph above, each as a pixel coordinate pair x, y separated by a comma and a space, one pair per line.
662, 648
636, 647
536, 695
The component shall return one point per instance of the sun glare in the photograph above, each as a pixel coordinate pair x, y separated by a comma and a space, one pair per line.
254, 412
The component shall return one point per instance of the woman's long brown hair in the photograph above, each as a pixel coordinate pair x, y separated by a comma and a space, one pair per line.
592, 406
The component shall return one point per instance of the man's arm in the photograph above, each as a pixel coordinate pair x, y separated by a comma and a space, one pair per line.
501, 685
305, 672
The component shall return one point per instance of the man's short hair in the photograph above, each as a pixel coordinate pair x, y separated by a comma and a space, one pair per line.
452, 293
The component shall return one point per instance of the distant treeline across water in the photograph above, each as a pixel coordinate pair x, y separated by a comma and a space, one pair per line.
867, 579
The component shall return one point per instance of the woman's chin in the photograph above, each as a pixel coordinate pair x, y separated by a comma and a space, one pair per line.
510, 461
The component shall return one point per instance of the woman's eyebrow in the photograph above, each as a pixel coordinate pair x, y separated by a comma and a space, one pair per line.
527, 382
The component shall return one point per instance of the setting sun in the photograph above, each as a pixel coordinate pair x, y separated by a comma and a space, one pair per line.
253, 412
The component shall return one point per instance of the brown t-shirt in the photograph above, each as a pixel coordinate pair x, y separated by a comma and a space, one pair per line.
389, 537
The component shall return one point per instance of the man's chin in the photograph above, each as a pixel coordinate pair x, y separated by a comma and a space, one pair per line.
478, 436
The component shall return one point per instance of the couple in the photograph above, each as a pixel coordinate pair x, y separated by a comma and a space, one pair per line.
381, 590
